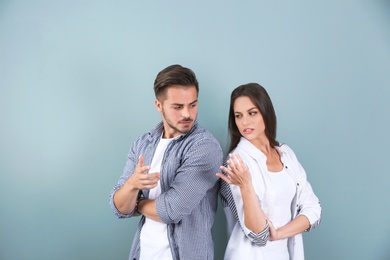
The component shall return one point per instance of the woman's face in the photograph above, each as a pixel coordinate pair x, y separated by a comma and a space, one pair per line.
248, 119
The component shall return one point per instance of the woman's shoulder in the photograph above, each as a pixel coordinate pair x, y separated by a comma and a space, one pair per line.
286, 150
284, 147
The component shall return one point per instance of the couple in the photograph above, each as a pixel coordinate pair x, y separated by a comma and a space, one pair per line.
174, 174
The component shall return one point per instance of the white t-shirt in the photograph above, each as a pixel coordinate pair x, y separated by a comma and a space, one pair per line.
154, 237
284, 188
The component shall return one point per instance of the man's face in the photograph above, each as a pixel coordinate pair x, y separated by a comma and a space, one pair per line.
179, 108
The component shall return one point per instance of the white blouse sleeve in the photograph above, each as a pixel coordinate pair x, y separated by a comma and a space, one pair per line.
234, 211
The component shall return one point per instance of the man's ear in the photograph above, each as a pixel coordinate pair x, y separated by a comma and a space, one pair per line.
158, 105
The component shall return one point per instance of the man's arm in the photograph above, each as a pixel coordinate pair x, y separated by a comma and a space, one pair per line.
194, 178
148, 209
125, 198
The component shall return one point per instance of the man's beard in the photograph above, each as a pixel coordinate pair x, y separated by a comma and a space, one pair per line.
188, 119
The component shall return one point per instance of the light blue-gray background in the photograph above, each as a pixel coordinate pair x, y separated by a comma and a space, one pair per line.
76, 83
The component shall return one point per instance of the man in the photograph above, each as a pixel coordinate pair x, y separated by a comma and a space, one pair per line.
170, 177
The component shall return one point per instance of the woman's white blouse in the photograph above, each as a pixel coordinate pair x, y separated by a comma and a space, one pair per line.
243, 242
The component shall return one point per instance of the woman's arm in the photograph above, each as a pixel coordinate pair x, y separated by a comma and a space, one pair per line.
238, 174
308, 205
294, 227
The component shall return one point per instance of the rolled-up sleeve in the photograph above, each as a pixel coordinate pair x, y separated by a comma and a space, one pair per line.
127, 171
309, 205
307, 202
259, 239
230, 197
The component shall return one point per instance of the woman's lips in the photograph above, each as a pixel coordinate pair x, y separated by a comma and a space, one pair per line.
248, 131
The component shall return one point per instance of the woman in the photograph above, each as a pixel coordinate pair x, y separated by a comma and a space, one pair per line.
267, 199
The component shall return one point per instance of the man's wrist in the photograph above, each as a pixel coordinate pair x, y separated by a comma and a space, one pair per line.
130, 187
140, 197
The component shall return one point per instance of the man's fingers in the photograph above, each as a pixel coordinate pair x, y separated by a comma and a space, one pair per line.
141, 160
144, 169
149, 178
148, 181
150, 186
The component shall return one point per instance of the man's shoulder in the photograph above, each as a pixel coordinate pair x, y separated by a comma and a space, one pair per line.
155, 132
200, 133
148, 137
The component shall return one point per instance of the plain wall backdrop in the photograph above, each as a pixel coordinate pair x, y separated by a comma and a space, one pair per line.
76, 81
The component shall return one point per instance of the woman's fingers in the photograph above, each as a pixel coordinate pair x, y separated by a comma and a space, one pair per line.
224, 177
235, 160
239, 160
225, 169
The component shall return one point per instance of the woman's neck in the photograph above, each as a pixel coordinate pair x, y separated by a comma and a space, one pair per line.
263, 145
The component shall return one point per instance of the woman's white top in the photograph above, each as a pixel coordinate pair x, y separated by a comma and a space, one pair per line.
246, 244
284, 188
